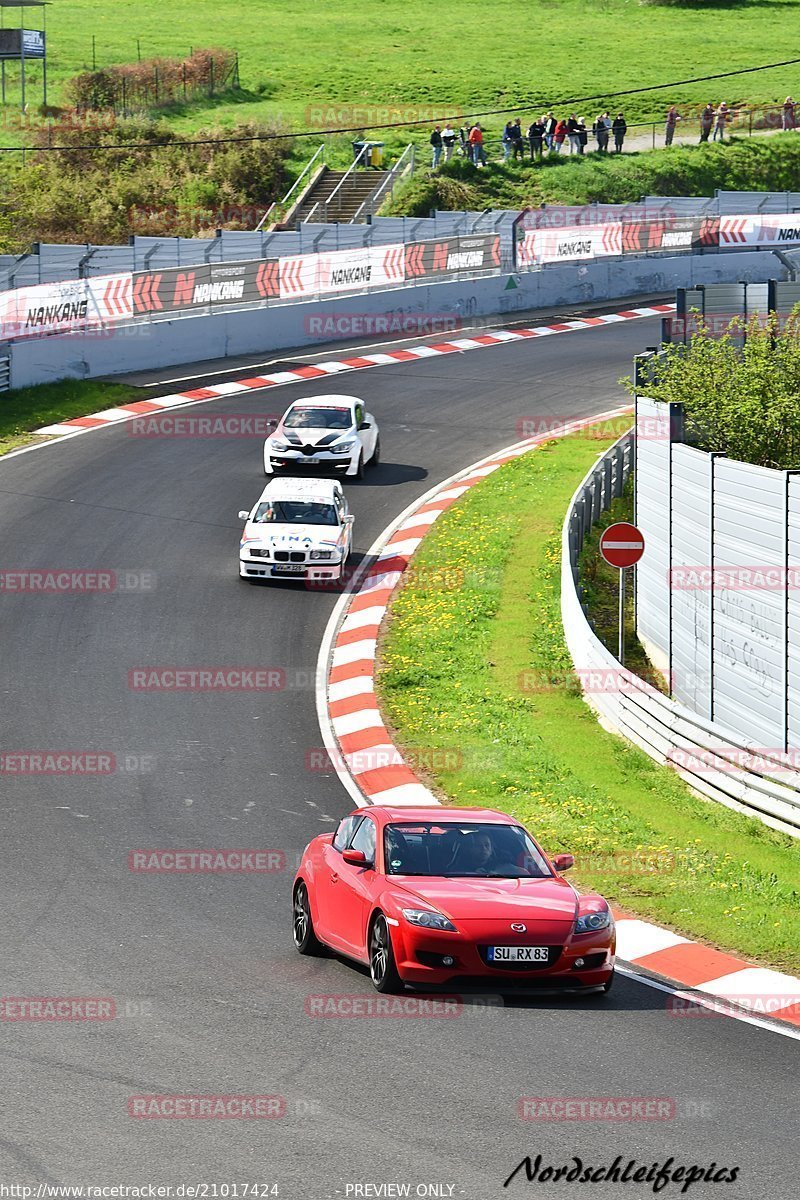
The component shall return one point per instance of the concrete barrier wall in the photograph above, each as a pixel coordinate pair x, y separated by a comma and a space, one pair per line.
170, 343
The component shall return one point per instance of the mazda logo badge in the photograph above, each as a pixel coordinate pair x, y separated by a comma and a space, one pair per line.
518, 927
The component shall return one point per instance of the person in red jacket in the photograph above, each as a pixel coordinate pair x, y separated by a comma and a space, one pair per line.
476, 142
559, 136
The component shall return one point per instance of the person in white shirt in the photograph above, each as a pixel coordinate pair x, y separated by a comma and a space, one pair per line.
448, 141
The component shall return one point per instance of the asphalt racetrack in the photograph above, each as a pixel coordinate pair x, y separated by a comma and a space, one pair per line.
209, 994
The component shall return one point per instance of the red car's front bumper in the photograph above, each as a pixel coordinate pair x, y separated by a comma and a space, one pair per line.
574, 962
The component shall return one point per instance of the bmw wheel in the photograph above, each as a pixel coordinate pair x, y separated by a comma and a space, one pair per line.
382, 967
305, 939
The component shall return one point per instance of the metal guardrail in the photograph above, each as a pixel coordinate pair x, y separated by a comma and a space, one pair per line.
5, 374
712, 760
280, 205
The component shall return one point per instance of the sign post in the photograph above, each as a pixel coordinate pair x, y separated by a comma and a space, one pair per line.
622, 545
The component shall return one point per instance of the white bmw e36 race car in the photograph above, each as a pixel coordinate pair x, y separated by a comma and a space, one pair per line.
298, 529
326, 433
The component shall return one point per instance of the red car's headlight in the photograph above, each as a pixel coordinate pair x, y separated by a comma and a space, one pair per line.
429, 919
590, 922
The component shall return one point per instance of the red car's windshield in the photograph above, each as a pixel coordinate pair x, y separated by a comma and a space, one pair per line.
462, 850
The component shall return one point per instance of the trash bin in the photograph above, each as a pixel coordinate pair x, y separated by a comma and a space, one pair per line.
357, 148
375, 154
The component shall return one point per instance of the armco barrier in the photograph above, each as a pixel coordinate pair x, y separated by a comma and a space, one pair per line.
164, 339
714, 762
105, 301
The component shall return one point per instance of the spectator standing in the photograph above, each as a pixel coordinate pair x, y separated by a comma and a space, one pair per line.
463, 138
672, 120
723, 112
559, 136
476, 141
706, 122
517, 139
436, 144
572, 134
601, 130
787, 119
508, 139
583, 135
536, 131
619, 127
448, 141
549, 129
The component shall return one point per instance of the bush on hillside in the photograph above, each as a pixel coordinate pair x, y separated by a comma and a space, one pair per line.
95, 191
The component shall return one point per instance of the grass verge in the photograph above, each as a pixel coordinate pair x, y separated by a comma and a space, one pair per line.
460, 682
25, 410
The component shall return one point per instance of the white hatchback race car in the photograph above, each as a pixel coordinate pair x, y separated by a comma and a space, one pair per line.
328, 432
298, 529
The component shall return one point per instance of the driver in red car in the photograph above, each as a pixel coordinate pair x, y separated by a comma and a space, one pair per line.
473, 855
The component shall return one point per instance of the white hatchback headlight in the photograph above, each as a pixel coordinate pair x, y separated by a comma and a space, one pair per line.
342, 447
277, 444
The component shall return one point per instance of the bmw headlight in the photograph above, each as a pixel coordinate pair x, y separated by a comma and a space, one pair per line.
429, 919
590, 922
321, 554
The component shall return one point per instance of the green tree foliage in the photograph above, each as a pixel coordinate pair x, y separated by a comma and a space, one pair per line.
741, 400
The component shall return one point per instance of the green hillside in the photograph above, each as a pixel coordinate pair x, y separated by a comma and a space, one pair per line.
466, 56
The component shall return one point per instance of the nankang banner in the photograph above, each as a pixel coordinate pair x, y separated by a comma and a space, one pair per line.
65, 307
248, 282
452, 256
767, 229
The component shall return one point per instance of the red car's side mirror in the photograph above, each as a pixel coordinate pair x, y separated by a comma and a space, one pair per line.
356, 858
563, 862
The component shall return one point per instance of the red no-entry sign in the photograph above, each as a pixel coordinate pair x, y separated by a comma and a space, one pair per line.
622, 544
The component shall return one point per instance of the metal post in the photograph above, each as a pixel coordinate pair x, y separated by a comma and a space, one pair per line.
621, 654
94, 52
22, 57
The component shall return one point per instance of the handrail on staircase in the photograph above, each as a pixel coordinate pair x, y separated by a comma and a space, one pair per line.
280, 203
372, 203
365, 149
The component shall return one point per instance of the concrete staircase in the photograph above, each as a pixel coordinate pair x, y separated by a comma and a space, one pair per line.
345, 204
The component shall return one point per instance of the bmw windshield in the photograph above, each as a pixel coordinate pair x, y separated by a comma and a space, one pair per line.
295, 512
457, 851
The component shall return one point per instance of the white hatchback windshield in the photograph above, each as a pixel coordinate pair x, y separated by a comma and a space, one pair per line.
318, 418
295, 512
